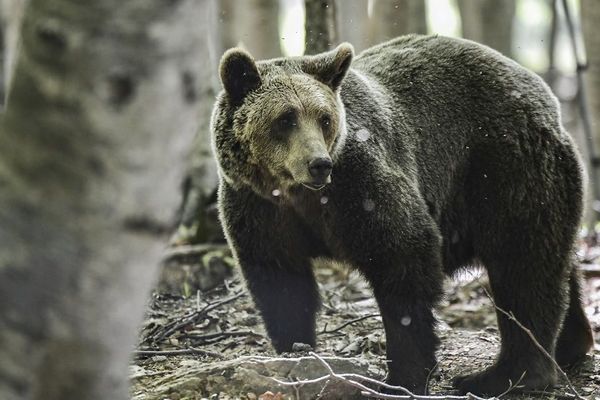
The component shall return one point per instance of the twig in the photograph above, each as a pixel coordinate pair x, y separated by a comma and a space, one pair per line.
180, 352
537, 344
197, 315
223, 335
351, 379
429, 376
355, 320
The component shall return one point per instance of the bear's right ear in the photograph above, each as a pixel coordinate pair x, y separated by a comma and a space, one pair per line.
239, 74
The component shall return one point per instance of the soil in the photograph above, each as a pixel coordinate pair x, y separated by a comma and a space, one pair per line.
210, 343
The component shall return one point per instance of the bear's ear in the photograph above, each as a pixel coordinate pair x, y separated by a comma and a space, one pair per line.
239, 74
331, 67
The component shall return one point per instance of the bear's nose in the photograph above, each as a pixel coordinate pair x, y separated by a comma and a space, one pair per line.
320, 168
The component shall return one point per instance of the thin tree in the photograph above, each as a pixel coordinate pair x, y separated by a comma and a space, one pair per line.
489, 22
92, 147
196, 223
392, 18
353, 22
320, 25
590, 13
256, 26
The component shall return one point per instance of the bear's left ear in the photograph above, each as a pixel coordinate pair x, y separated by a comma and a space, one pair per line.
331, 67
239, 74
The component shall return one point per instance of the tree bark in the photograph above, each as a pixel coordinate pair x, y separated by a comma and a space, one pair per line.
92, 147
488, 22
256, 27
320, 25
590, 13
11, 15
197, 223
392, 18
353, 23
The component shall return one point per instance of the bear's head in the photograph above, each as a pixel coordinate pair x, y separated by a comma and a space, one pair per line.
278, 123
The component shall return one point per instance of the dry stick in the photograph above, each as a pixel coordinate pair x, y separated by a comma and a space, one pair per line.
355, 320
181, 352
537, 344
223, 335
429, 376
192, 318
348, 379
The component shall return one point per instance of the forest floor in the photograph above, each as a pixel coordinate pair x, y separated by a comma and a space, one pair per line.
203, 338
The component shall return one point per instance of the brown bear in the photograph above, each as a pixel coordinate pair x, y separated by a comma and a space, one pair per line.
417, 158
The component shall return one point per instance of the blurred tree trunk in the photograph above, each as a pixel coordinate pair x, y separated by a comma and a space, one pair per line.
489, 22
11, 15
92, 146
353, 23
392, 18
198, 220
320, 25
256, 26
590, 13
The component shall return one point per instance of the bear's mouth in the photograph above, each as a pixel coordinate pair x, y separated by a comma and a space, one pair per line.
314, 186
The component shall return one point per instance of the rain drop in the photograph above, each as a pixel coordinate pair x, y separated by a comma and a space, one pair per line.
363, 135
406, 320
276, 192
369, 205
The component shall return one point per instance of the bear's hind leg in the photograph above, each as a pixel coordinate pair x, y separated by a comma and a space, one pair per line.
406, 295
575, 338
535, 297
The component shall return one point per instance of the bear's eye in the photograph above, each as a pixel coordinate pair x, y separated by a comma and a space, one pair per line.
285, 122
325, 121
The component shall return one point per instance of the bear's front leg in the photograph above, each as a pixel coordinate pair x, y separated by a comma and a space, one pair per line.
406, 296
274, 250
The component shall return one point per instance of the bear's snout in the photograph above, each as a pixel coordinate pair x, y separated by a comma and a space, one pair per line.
320, 169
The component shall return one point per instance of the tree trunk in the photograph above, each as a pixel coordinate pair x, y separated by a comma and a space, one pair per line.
590, 12
92, 147
353, 23
320, 25
197, 223
392, 18
256, 27
489, 22
11, 15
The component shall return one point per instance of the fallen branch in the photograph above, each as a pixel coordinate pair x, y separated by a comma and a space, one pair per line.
178, 352
223, 335
342, 326
195, 316
352, 380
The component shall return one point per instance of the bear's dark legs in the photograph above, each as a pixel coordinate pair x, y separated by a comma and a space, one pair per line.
406, 305
575, 338
288, 300
531, 293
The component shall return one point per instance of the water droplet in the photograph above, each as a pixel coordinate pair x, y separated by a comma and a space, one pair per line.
363, 135
369, 205
276, 192
324, 200
406, 320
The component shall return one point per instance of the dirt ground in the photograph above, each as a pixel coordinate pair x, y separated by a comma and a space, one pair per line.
203, 338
